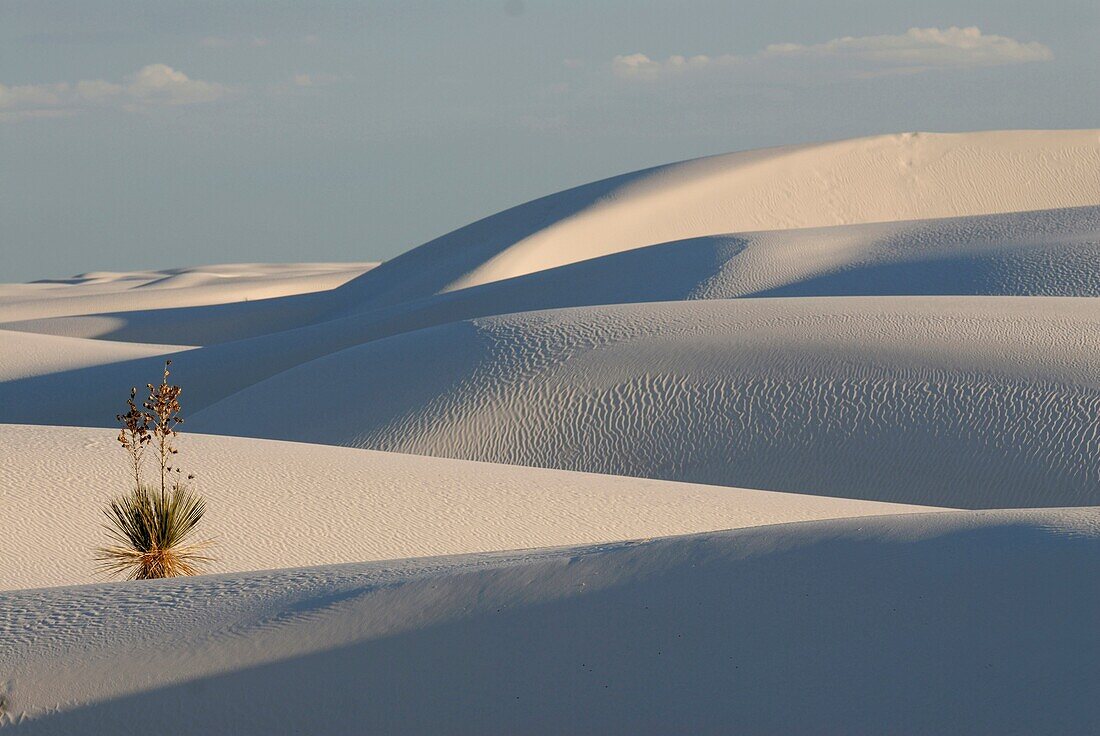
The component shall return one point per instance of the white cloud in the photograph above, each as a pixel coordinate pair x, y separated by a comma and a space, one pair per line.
916, 50
155, 85
31, 95
160, 84
641, 66
924, 48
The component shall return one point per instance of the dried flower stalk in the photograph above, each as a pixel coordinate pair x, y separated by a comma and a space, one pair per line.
164, 404
134, 435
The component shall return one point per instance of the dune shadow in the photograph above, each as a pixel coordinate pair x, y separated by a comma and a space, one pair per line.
986, 630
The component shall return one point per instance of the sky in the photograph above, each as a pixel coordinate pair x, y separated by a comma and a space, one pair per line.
152, 134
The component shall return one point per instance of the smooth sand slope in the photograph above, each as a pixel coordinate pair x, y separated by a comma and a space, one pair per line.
952, 401
959, 623
279, 504
908, 176
28, 356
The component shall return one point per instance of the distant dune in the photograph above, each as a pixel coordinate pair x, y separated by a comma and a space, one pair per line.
909, 176
1035, 253
108, 292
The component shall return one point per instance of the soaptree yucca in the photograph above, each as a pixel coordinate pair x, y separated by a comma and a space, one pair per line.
152, 530
152, 527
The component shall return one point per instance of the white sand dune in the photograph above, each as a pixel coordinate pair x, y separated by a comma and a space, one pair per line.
911, 176
908, 176
99, 292
741, 406
202, 324
280, 504
992, 399
1038, 253
1052, 252
960, 401
882, 328
27, 355
958, 623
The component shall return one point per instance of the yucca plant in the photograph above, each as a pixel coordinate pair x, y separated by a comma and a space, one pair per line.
152, 531
152, 528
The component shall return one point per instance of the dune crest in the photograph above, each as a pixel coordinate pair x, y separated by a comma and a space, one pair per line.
907, 176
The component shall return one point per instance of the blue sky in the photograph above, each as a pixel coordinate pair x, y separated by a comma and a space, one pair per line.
159, 134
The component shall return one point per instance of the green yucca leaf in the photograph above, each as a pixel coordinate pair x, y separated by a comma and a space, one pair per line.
152, 529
